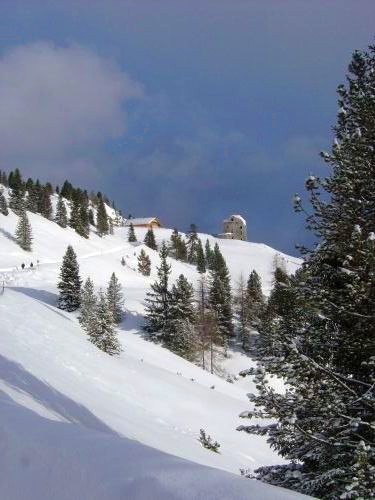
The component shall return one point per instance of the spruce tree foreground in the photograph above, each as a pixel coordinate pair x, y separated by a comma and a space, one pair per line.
70, 282
322, 343
23, 232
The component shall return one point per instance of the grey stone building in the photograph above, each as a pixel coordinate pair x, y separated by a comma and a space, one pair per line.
234, 228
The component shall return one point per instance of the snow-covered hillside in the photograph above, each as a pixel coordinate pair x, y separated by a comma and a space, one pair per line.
77, 423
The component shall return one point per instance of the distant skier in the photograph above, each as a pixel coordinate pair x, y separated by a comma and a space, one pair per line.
23, 266
31, 265
123, 261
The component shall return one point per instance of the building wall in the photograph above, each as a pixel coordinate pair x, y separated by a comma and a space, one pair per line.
236, 227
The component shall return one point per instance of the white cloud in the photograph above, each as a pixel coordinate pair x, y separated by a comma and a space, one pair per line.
59, 101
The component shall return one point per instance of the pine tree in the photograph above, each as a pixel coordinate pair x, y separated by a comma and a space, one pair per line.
70, 282
16, 200
201, 259
158, 301
323, 345
44, 203
209, 255
33, 193
241, 309
177, 333
131, 234
102, 225
67, 190
150, 239
110, 224
3, 204
91, 217
115, 299
220, 294
192, 244
61, 217
144, 263
88, 307
255, 301
23, 232
103, 335
84, 222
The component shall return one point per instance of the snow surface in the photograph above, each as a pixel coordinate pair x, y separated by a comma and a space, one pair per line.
77, 423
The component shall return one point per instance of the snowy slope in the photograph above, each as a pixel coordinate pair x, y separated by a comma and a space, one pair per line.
53, 378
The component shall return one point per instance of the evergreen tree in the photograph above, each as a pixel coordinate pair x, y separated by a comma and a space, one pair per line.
144, 263
3, 204
70, 282
115, 299
177, 248
110, 224
220, 294
209, 254
61, 217
79, 218
201, 259
192, 245
16, 200
33, 194
102, 225
103, 335
179, 330
91, 217
84, 222
323, 345
44, 203
158, 301
67, 190
88, 307
23, 232
150, 239
131, 234
241, 309
255, 301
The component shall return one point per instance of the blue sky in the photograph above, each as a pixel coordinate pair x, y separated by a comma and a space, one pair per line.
186, 110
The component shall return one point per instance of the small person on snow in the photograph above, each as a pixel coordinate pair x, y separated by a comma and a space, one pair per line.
23, 265
31, 265
123, 261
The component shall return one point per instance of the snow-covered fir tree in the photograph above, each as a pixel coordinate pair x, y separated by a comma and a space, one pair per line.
33, 192
150, 239
240, 308
103, 333
220, 299
44, 202
179, 330
192, 244
23, 232
177, 248
102, 225
209, 254
131, 234
115, 299
17, 192
88, 306
3, 204
323, 346
61, 216
144, 263
255, 300
69, 284
201, 258
158, 300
